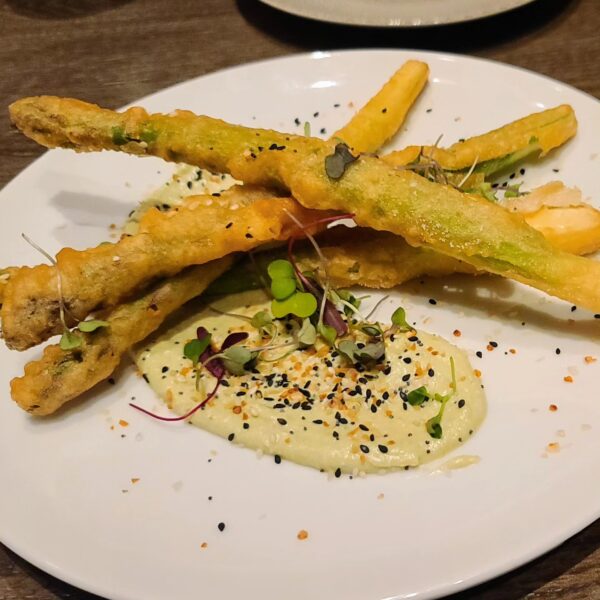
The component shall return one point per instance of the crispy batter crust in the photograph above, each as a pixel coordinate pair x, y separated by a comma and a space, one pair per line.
60, 376
203, 229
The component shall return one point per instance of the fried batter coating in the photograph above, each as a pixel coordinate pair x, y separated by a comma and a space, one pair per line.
60, 376
376, 259
203, 229
550, 128
424, 213
5, 276
383, 115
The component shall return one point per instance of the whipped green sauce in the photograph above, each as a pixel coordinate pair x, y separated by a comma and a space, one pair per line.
312, 407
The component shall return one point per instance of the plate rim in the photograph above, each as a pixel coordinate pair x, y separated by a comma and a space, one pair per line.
509, 565
392, 22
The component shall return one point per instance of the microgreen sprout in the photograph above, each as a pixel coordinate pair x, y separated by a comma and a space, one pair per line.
337, 163
399, 320
91, 325
434, 425
70, 339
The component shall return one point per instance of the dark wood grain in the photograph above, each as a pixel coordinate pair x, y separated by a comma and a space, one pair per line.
113, 51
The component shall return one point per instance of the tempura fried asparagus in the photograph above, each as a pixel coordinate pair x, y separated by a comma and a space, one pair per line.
60, 376
91, 280
539, 132
376, 122
425, 213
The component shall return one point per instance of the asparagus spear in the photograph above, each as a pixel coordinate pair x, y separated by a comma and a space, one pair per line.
60, 376
425, 213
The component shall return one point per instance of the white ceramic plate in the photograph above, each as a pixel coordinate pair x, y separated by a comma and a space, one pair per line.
68, 503
395, 13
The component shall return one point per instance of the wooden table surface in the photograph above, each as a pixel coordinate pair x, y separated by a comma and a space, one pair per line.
113, 51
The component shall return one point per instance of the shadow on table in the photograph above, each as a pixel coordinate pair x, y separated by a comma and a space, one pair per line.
460, 37
62, 9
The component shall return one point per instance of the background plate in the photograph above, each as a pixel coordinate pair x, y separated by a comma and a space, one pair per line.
395, 13
68, 503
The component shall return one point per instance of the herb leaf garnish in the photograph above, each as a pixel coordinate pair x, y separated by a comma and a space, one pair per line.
399, 319
70, 340
92, 325
336, 163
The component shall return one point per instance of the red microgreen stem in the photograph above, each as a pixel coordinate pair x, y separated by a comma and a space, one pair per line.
182, 417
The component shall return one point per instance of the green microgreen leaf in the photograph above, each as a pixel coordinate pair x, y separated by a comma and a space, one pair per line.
371, 329
91, 325
366, 355
283, 287
434, 425
328, 333
434, 429
336, 163
399, 319
301, 304
280, 268
307, 335
261, 319
236, 358
70, 340
370, 353
418, 396
195, 348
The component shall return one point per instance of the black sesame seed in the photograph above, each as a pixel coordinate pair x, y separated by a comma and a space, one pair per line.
246, 425
432, 301
479, 354
363, 427
557, 351
277, 459
231, 436
221, 526
461, 403
383, 449
384, 110
364, 448
338, 472
282, 421
297, 121
494, 344
431, 372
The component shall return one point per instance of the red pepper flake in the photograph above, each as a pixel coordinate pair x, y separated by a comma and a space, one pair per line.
204, 545
237, 410
590, 359
568, 379
553, 408
302, 534
490, 348
457, 333
477, 373
123, 423
512, 350
553, 447
134, 480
